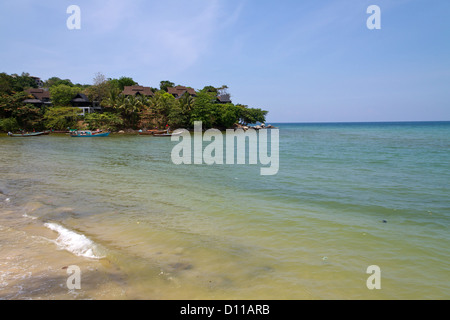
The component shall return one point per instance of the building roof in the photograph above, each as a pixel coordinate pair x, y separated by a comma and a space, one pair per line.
178, 91
134, 90
80, 97
39, 94
224, 98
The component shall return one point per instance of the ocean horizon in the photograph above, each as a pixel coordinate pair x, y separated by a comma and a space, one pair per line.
362, 122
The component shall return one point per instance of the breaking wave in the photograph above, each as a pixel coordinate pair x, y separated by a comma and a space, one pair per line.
74, 242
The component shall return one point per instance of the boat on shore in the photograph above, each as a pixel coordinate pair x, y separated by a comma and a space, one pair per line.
158, 133
89, 134
167, 134
151, 132
28, 134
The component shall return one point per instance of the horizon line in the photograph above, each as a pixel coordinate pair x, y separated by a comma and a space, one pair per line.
382, 121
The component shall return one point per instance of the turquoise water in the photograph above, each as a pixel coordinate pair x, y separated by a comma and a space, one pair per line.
346, 196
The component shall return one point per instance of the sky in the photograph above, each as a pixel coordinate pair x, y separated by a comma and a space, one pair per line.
301, 60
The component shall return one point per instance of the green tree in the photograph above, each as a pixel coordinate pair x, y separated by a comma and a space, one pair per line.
251, 115
204, 109
121, 83
126, 81
55, 81
180, 114
113, 99
104, 120
227, 115
10, 103
6, 83
130, 108
82, 86
30, 116
114, 84
160, 106
163, 85
133, 107
23, 82
27, 116
209, 89
61, 118
9, 125
62, 94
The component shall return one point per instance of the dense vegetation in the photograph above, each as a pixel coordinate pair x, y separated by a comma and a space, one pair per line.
119, 112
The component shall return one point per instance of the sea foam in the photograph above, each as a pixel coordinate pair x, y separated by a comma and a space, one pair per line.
74, 242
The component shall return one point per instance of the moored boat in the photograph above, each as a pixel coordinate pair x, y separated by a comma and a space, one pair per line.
167, 134
89, 134
28, 134
151, 132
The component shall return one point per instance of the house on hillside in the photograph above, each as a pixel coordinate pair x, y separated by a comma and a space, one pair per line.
137, 90
82, 101
178, 91
38, 81
39, 98
224, 98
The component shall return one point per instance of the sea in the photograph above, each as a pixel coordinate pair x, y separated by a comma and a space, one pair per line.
356, 211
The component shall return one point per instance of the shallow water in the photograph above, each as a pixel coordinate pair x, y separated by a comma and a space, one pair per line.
347, 196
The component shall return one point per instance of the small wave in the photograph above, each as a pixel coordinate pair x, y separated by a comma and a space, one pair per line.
27, 216
73, 242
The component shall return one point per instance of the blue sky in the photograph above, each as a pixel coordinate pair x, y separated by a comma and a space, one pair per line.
302, 60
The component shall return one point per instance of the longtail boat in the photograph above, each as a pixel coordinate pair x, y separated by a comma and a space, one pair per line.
89, 134
29, 134
167, 134
151, 132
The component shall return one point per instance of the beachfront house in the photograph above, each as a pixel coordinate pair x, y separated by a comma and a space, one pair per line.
82, 102
137, 91
178, 91
38, 97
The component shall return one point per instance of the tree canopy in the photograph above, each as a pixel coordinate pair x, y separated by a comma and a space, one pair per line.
15, 83
55, 81
62, 94
163, 85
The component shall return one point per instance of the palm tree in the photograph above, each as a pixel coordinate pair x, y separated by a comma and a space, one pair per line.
186, 102
112, 99
129, 108
161, 104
